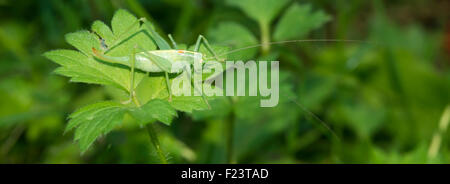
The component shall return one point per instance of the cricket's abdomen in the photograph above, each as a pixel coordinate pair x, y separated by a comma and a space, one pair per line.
178, 58
143, 63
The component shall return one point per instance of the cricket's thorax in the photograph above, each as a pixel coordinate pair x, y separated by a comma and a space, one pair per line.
178, 58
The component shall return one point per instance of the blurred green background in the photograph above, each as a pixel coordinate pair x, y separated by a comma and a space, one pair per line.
387, 103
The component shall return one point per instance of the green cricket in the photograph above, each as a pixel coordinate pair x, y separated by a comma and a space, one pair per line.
167, 59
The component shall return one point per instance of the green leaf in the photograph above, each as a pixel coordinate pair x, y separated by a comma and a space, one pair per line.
95, 120
124, 23
263, 11
154, 110
298, 21
235, 36
152, 88
83, 111
188, 103
85, 69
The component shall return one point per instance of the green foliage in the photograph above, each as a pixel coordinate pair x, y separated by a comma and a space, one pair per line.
263, 11
384, 101
298, 21
154, 110
238, 38
100, 118
82, 68
95, 120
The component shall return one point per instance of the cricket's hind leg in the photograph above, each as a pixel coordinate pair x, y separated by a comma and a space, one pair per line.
188, 72
168, 85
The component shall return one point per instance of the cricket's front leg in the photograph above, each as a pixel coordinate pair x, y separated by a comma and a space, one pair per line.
132, 64
162, 64
174, 44
201, 39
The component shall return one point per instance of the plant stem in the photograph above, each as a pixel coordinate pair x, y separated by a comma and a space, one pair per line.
153, 135
135, 100
229, 134
155, 142
438, 135
265, 38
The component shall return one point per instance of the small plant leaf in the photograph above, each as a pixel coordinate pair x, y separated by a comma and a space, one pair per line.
85, 69
154, 110
263, 11
298, 21
95, 120
234, 36
124, 23
188, 103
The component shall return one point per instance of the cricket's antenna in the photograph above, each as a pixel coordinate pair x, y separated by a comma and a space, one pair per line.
315, 117
294, 41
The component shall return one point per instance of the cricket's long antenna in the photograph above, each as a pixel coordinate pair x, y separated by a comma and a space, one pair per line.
294, 41
315, 117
